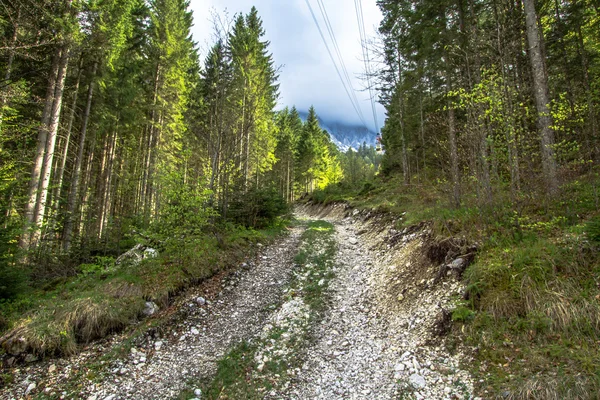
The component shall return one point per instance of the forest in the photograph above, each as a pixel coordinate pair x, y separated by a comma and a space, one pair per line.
492, 133
113, 132
500, 96
116, 133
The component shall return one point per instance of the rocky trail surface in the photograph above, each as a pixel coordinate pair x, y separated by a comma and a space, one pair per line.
379, 336
374, 341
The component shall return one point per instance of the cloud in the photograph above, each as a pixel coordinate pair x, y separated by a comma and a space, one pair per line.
307, 75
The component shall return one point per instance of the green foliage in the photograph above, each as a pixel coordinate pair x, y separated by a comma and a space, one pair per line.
102, 265
13, 277
186, 211
592, 229
462, 314
258, 208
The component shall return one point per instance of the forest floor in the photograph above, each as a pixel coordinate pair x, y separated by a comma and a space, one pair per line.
353, 311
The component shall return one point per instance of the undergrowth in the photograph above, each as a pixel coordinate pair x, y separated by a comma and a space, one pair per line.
532, 312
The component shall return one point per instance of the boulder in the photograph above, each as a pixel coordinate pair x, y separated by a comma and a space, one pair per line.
150, 308
133, 256
149, 252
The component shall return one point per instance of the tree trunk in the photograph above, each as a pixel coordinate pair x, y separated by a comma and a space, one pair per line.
542, 98
63, 163
593, 122
74, 190
453, 157
36, 172
106, 184
40, 208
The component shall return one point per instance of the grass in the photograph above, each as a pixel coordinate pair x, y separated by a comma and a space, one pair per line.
103, 298
533, 311
252, 369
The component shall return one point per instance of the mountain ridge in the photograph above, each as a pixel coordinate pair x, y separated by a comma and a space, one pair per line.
343, 134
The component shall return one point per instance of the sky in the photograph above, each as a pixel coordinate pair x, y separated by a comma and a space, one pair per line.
307, 76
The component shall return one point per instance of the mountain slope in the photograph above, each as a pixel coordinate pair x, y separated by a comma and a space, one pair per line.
345, 135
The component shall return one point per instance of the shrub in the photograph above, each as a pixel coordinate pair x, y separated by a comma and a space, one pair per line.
13, 278
592, 229
258, 208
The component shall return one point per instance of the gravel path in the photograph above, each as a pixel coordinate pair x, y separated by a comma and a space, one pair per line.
350, 357
208, 332
372, 342
371, 346
162, 366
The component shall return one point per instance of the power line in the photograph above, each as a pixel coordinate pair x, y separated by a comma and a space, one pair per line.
350, 97
339, 55
363, 40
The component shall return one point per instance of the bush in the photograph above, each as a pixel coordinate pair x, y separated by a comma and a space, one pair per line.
592, 229
13, 278
258, 208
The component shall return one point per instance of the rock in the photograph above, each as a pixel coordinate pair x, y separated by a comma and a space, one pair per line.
142, 359
111, 397
15, 346
400, 297
123, 371
399, 367
417, 381
133, 256
200, 301
150, 253
197, 393
30, 388
29, 358
458, 265
93, 397
52, 369
150, 308
10, 361
194, 331
353, 240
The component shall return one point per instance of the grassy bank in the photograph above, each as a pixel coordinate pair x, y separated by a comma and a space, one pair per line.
102, 297
532, 310
253, 369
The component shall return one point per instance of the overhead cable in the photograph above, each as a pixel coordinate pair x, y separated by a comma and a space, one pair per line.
363, 40
356, 106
